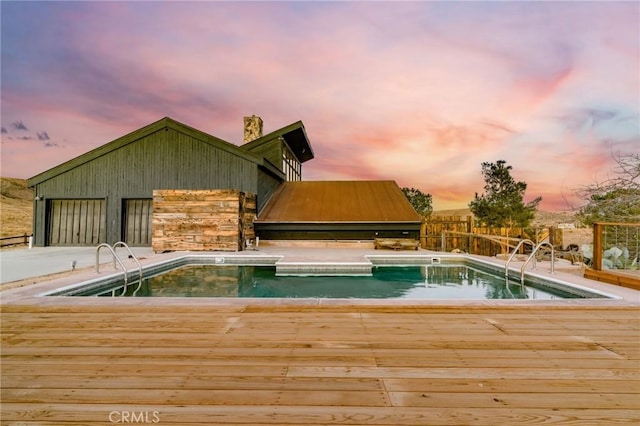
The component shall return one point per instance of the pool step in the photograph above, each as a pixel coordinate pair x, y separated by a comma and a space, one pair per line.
362, 268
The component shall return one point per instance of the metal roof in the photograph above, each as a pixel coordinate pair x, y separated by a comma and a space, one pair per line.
338, 201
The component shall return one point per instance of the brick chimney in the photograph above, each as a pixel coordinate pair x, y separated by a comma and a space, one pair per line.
252, 128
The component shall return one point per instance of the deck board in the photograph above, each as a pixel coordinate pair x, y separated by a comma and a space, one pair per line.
68, 363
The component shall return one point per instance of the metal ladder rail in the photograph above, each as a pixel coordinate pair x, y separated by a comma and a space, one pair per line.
133, 256
533, 253
115, 258
513, 254
135, 292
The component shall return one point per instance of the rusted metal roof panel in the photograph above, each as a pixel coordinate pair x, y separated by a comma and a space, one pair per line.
338, 201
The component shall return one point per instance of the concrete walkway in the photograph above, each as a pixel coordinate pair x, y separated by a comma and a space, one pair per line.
23, 263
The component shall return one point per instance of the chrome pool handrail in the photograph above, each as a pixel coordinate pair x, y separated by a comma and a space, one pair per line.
513, 253
532, 256
115, 259
131, 255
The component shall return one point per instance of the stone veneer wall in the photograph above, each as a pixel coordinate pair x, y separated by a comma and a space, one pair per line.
202, 220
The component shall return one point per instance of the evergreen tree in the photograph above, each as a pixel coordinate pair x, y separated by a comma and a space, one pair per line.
502, 203
420, 201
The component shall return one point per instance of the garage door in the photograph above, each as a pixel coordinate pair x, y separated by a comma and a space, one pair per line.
77, 222
137, 222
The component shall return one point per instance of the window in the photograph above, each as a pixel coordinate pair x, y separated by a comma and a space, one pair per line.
291, 166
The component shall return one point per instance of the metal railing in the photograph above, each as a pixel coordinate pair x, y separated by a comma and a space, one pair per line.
118, 261
131, 256
514, 252
532, 256
616, 246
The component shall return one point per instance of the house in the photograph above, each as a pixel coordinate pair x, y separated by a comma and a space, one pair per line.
207, 190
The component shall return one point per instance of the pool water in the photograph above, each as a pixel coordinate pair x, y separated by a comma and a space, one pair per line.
386, 282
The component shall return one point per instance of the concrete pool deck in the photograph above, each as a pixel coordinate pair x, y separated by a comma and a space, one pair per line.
42, 269
23, 263
182, 361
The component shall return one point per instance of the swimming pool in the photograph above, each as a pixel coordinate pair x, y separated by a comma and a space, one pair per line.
420, 279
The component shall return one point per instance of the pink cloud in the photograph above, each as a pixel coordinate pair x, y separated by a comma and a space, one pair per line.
417, 92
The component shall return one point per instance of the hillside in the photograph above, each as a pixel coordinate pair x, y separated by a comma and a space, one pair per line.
542, 218
16, 207
453, 212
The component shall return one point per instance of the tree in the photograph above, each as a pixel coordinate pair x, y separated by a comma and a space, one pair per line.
502, 203
617, 199
420, 201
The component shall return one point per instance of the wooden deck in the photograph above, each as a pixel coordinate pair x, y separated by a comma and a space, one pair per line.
629, 279
192, 363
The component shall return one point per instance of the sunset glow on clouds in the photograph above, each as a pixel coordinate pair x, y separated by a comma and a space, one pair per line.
418, 92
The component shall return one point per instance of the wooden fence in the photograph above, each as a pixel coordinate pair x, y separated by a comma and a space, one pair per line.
15, 241
449, 233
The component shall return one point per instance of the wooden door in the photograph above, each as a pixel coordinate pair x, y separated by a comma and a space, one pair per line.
138, 214
77, 222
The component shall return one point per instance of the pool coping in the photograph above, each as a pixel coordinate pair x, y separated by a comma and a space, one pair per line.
292, 259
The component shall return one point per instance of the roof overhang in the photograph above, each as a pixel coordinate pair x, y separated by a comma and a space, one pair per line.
354, 226
294, 135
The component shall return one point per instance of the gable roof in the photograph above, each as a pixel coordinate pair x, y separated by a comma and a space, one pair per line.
294, 136
338, 201
164, 123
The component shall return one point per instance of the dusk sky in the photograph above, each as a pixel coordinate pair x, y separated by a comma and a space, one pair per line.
417, 92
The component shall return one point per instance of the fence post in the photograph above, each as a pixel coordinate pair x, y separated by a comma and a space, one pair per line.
597, 246
470, 231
